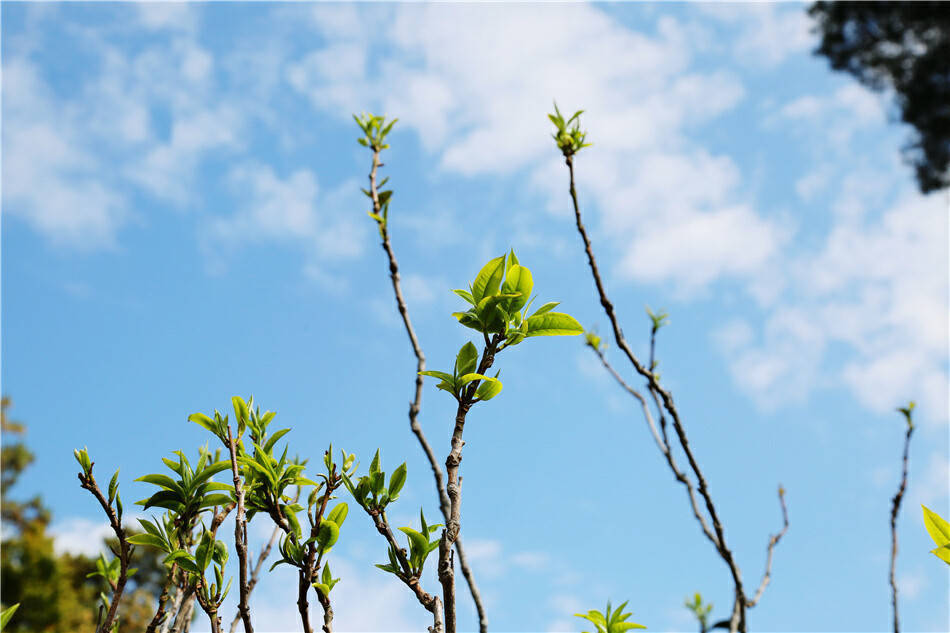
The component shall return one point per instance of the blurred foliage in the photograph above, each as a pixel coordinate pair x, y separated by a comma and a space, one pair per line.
54, 593
904, 47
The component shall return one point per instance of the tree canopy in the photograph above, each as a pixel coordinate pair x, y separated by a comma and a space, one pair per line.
904, 47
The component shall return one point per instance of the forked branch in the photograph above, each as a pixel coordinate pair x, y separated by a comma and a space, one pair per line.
380, 213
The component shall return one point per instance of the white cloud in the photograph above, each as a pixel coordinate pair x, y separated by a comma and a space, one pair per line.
834, 119
80, 536
49, 178
289, 209
476, 92
764, 34
878, 286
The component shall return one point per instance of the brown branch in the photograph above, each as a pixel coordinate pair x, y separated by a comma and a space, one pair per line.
773, 541
88, 481
255, 573
240, 538
895, 509
430, 602
737, 622
159, 616
454, 489
414, 407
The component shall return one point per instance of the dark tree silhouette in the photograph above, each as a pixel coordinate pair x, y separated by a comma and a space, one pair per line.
904, 47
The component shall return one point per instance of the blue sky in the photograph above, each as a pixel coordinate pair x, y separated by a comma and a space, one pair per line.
182, 223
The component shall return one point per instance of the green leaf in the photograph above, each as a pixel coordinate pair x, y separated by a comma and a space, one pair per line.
7, 614
113, 486
338, 513
547, 307
465, 295
512, 261
164, 481
374, 465
518, 280
168, 499
396, 481
467, 378
220, 553
487, 309
240, 409
937, 527
553, 324
466, 360
488, 279
489, 388
204, 421
328, 534
322, 588
149, 539
211, 501
939, 531
449, 378
417, 542
273, 440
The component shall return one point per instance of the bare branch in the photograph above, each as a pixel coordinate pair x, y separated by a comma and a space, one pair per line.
773, 541
737, 622
895, 509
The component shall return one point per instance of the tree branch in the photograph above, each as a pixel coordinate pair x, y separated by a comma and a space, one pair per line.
895, 509
88, 481
737, 621
430, 602
773, 541
415, 406
240, 538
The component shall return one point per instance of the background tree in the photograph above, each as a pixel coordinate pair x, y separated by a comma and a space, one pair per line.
904, 47
53, 590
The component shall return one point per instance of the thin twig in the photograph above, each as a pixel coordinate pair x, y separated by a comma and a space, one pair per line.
664, 448
88, 481
414, 407
895, 509
737, 622
240, 538
773, 541
159, 616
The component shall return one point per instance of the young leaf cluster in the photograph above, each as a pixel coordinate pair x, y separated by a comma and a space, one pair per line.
500, 297
374, 129
569, 136
419, 548
700, 610
614, 621
193, 492
466, 361
370, 490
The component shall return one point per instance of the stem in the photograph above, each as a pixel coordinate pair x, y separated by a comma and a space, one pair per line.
240, 537
737, 621
895, 509
454, 489
88, 481
773, 541
414, 407
159, 616
255, 573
